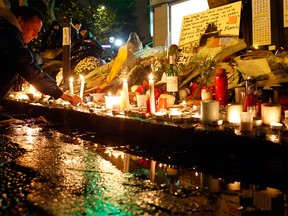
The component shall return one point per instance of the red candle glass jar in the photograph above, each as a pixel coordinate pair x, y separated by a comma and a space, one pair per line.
221, 86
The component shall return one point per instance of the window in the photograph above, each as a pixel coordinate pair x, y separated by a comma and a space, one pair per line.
178, 11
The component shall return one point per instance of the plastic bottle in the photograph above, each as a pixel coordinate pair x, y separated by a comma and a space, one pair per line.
221, 86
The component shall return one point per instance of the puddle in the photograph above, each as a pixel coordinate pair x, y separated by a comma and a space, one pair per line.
50, 170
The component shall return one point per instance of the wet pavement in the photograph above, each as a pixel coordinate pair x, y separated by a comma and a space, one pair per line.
50, 170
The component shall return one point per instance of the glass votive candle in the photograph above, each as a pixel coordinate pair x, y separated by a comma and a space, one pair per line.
162, 103
141, 100
209, 111
270, 113
233, 113
246, 123
206, 94
253, 110
238, 96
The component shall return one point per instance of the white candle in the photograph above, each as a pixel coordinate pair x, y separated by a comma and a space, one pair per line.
116, 103
233, 113
82, 86
206, 94
71, 87
126, 94
209, 111
109, 101
270, 113
152, 97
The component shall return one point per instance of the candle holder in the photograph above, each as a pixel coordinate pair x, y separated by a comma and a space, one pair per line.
270, 113
209, 111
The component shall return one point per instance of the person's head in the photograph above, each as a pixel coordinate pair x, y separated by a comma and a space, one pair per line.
77, 24
30, 21
83, 33
55, 25
133, 36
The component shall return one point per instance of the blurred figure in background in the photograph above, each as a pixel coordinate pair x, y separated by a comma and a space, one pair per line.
88, 40
133, 43
75, 28
53, 37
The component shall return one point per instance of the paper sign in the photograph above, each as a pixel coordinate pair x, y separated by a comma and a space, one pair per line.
254, 67
226, 18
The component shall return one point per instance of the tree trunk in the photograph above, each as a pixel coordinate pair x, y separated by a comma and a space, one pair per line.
50, 10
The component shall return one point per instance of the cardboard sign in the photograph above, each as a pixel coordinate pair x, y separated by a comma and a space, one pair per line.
221, 23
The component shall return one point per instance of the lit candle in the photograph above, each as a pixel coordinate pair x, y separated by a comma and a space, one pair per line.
206, 94
82, 86
233, 113
126, 94
116, 104
152, 97
109, 101
276, 125
71, 87
270, 113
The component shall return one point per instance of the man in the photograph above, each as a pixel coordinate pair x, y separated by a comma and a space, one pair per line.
17, 29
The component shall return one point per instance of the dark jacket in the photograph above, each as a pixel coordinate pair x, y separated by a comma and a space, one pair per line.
16, 59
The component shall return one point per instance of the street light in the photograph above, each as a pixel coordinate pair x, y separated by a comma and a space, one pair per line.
111, 39
118, 42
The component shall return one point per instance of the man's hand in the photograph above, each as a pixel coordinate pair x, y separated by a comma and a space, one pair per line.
73, 99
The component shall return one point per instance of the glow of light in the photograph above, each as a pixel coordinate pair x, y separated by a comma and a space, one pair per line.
32, 89
118, 42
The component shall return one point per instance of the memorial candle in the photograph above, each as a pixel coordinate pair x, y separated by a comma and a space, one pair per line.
82, 86
71, 87
152, 97
126, 94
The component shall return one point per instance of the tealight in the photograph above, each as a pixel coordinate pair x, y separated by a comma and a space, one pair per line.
160, 116
276, 125
257, 122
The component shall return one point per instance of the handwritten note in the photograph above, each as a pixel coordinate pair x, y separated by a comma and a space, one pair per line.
226, 18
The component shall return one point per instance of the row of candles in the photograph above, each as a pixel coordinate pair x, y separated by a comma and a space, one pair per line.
115, 102
270, 113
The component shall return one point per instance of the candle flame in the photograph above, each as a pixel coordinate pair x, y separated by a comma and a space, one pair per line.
32, 89
71, 80
151, 76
